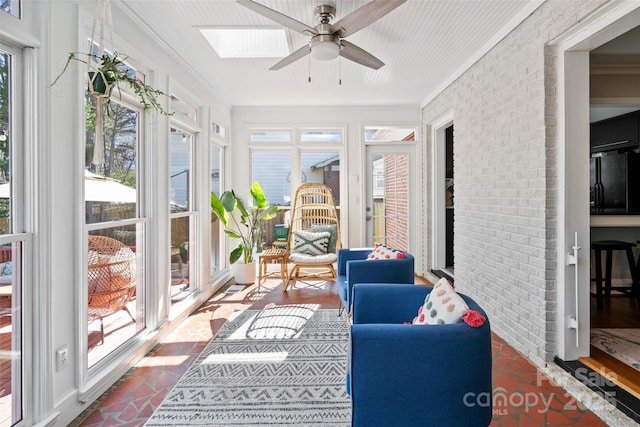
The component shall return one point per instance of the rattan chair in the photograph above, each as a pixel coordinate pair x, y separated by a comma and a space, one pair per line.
313, 210
111, 278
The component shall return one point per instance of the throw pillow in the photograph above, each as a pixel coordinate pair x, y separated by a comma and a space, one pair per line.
333, 238
381, 251
441, 306
8, 269
307, 242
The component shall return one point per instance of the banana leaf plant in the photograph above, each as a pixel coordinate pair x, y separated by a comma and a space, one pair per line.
241, 222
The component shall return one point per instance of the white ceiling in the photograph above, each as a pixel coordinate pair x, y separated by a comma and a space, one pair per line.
424, 44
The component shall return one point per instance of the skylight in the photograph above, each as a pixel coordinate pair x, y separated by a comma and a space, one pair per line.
247, 42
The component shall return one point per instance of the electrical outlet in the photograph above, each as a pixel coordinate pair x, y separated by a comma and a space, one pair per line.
62, 357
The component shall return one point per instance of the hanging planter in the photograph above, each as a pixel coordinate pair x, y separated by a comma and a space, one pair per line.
106, 72
100, 85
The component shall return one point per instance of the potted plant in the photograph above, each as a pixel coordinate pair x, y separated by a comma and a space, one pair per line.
244, 224
109, 71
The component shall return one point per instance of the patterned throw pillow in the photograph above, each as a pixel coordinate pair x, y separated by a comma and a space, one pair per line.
441, 306
333, 238
307, 242
381, 251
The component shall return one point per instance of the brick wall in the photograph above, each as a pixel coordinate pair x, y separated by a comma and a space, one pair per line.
396, 200
504, 154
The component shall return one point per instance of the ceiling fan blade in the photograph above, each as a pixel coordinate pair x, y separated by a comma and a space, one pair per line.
298, 54
356, 54
364, 16
278, 17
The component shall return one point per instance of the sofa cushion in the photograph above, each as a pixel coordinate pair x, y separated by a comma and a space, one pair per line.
381, 251
442, 306
333, 236
310, 243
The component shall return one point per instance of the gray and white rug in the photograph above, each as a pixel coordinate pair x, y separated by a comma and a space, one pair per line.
281, 366
623, 344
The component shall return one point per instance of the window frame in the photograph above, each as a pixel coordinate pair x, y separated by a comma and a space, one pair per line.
89, 374
296, 149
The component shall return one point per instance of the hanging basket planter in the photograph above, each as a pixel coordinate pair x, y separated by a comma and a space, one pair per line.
108, 70
99, 85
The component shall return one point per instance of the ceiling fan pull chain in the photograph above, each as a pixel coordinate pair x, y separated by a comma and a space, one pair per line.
309, 66
340, 71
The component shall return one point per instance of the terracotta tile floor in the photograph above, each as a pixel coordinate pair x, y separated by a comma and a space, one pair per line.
528, 399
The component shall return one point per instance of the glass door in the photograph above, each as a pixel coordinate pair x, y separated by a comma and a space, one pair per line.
389, 202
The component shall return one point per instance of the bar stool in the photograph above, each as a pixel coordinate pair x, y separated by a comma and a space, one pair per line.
609, 246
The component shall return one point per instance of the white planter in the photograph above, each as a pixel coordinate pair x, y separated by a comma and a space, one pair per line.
245, 274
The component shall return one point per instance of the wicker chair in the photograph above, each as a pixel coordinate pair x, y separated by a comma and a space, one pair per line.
313, 210
111, 278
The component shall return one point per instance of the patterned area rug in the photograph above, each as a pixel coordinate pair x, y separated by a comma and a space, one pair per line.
623, 344
284, 365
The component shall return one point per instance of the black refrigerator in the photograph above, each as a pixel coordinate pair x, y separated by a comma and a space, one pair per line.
615, 183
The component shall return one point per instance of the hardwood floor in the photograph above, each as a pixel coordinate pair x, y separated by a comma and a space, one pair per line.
620, 311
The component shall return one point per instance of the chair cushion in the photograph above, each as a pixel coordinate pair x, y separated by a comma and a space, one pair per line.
310, 243
381, 251
442, 306
333, 237
313, 259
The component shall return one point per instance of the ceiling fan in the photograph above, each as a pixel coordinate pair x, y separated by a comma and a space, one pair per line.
327, 39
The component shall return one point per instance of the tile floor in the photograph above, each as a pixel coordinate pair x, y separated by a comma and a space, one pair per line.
132, 400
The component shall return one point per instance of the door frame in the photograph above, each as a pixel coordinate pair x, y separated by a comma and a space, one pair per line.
438, 171
572, 215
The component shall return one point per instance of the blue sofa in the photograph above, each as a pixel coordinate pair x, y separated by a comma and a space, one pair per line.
415, 375
353, 268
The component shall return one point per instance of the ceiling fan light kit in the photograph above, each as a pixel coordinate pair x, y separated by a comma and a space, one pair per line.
328, 40
325, 47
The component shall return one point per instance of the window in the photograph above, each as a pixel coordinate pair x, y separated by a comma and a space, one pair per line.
12, 261
321, 136
247, 42
271, 136
182, 214
272, 169
215, 168
219, 130
322, 167
389, 134
281, 170
281, 163
12, 7
115, 230
181, 107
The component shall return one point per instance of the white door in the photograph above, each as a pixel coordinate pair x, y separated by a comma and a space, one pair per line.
390, 196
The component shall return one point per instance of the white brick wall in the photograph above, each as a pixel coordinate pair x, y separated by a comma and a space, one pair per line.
505, 179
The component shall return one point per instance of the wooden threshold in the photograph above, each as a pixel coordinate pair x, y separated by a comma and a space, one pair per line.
614, 370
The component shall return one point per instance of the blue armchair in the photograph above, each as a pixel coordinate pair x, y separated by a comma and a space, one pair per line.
410, 375
353, 268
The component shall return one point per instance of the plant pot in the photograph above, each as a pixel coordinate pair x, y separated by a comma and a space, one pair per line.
99, 85
245, 274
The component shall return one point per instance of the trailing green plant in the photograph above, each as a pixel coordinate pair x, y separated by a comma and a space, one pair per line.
242, 223
109, 71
